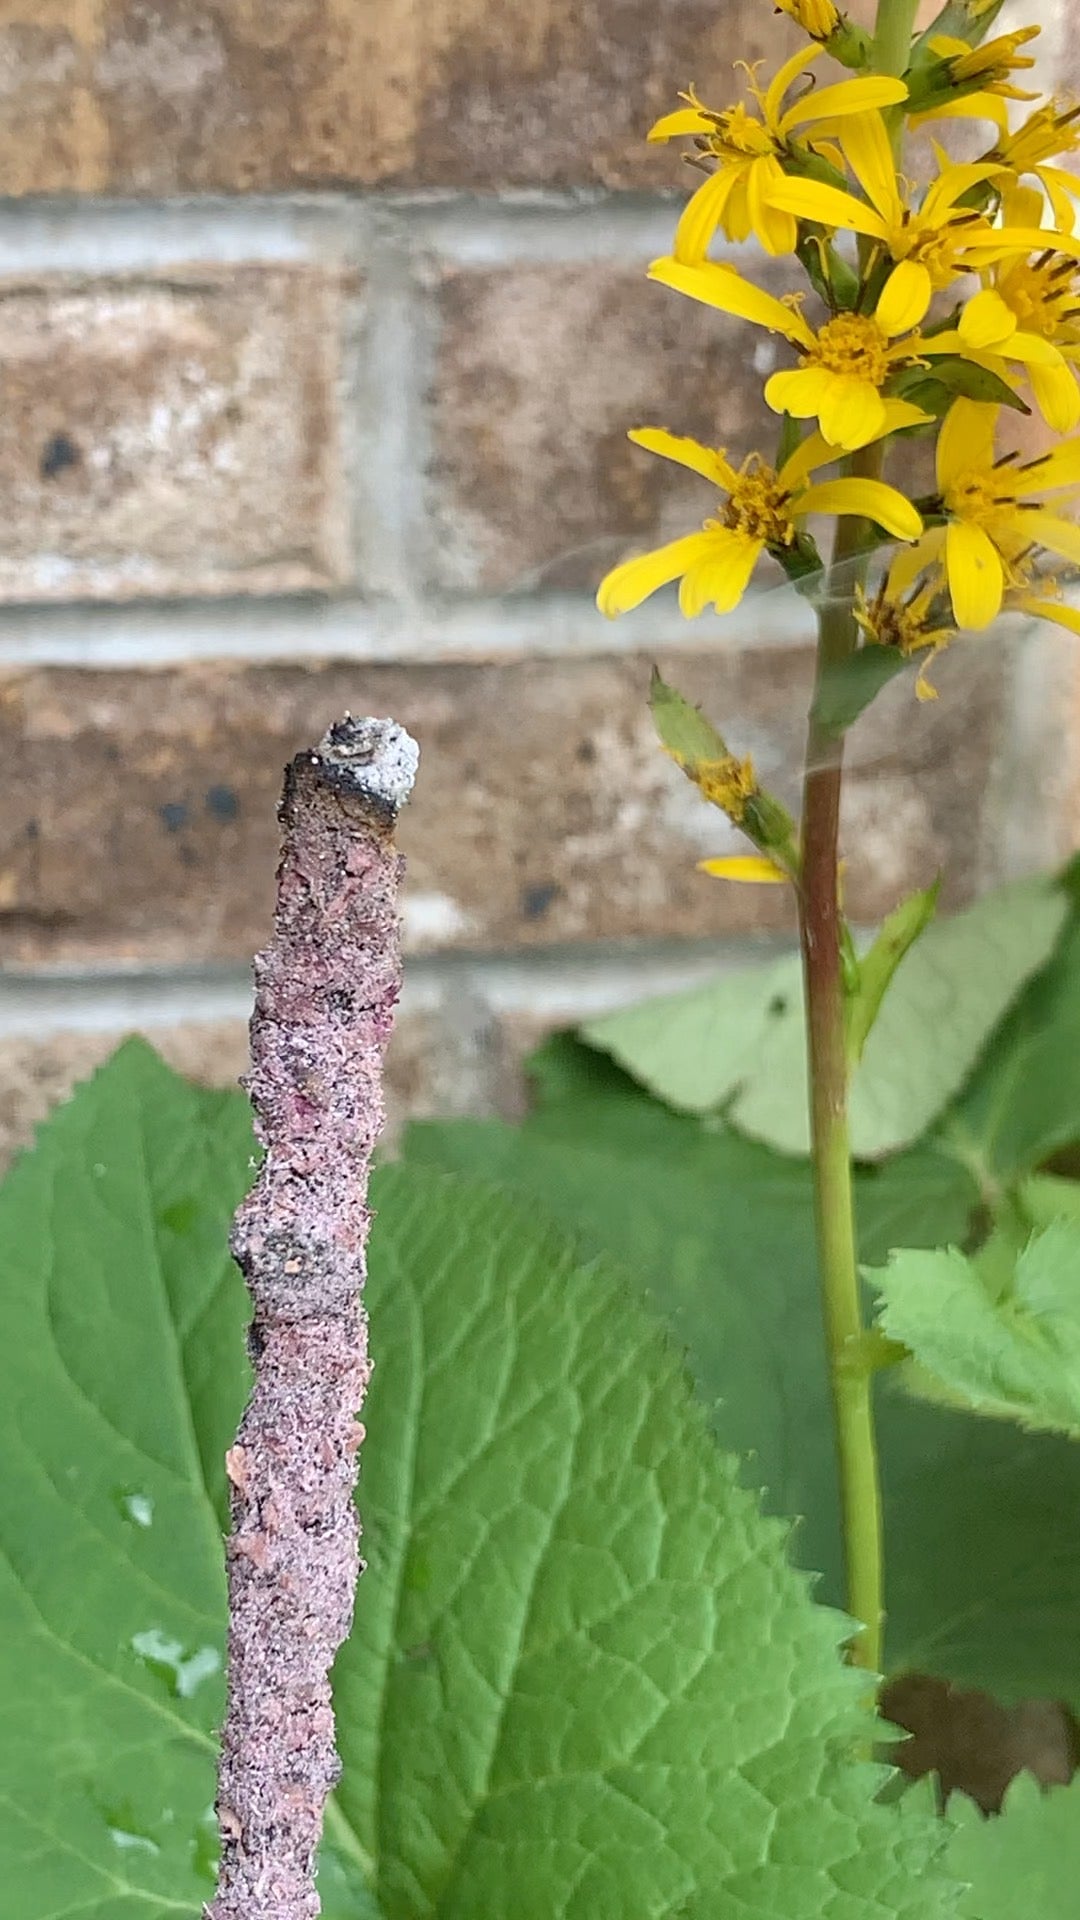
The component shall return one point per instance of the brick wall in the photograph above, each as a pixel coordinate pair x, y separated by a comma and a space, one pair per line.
321, 325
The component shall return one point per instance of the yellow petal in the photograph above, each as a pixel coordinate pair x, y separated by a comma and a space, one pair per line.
703, 213
1031, 349
708, 461
1060, 186
952, 183
846, 97
986, 321
870, 157
721, 286
974, 106
753, 867
628, 585
904, 298
903, 413
1055, 534
873, 498
782, 80
1057, 396
907, 564
672, 126
798, 392
777, 231
812, 453
976, 580
982, 249
1021, 206
852, 412
966, 440
720, 575
813, 200
1058, 468
1049, 610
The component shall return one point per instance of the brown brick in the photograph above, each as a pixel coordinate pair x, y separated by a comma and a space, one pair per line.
137, 811
427, 1071
170, 433
542, 370
161, 96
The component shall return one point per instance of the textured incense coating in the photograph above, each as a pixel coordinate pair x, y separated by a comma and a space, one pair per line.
325, 993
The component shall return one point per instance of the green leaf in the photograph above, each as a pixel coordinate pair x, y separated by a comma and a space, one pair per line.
955, 378
1022, 1104
122, 1376
897, 934
584, 1678
1010, 1348
848, 686
567, 1688
1027, 1861
738, 1043
681, 727
720, 1235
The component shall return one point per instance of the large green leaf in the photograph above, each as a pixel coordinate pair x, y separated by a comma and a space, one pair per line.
1001, 1337
738, 1043
122, 1373
984, 1581
1022, 1103
1025, 1863
584, 1679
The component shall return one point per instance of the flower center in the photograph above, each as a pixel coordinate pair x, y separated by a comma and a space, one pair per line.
759, 506
851, 344
1043, 295
739, 136
974, 495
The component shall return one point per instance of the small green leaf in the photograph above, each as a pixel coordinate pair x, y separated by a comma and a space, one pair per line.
897, 934
1010, 1348
738, 1043
1025, 1862
958, 377
683, 728
847, 686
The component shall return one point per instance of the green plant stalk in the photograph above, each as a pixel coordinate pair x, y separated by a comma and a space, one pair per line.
821, 929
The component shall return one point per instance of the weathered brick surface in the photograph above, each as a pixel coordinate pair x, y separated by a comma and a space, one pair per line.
427, 1071
171, 433
137, 810
541, 370
162, 96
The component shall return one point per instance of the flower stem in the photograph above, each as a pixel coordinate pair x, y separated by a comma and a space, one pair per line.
821, 933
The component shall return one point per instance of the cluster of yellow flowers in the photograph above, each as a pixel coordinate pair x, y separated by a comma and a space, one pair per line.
950, 303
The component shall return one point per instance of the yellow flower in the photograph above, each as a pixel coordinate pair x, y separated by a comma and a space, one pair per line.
762, 511
1042, 597
818, 18
910, 623
1045, 135
931, 241
844, 365
755, 868
990, 65
749, 151
1031, 311
994, 514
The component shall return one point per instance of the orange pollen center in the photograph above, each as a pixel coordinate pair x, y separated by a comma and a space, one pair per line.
851, 344
760, 507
